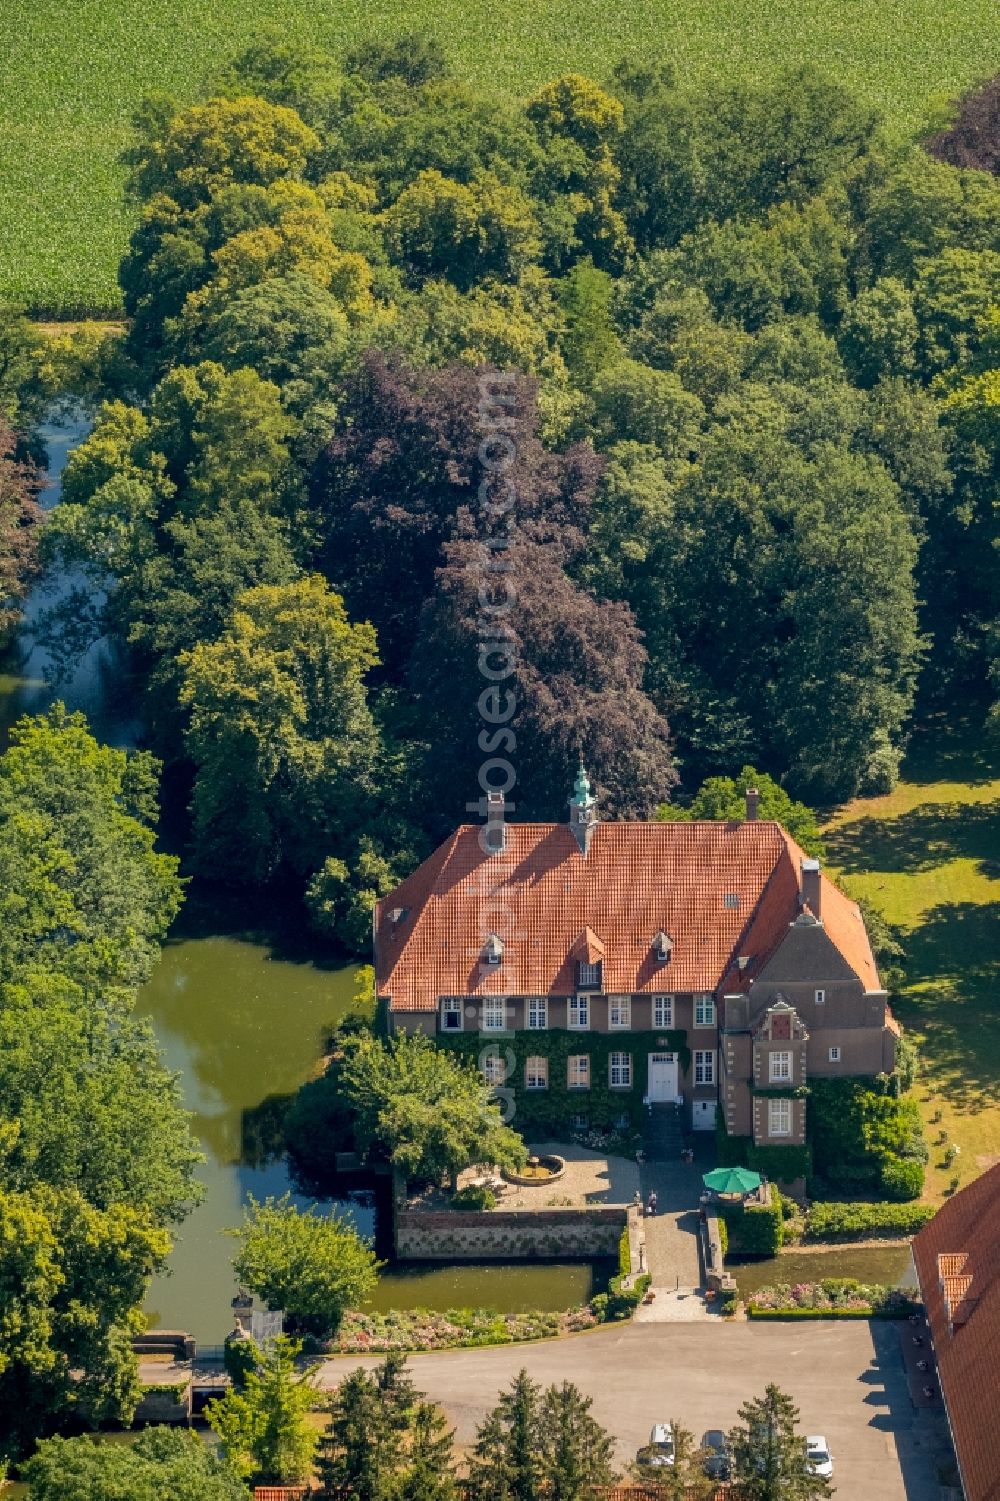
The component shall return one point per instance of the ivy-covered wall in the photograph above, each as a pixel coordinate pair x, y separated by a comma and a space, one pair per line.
552, 1111
781, 1163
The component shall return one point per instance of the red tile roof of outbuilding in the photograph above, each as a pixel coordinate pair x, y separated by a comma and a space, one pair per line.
957, 1256
718, 890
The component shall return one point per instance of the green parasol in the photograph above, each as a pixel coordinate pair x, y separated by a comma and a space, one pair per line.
732, 1180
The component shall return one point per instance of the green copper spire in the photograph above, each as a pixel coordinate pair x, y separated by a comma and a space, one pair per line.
582, 796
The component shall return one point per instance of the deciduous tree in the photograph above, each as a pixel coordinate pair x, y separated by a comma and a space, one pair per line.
20, 515
280, 729
312, 1266
264, 1427
160, 1462
429, 1113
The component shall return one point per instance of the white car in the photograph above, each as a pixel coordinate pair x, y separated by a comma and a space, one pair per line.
661, 1445
818, 1455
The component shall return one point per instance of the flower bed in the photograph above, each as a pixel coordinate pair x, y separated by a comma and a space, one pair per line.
834, 1297
424, 1329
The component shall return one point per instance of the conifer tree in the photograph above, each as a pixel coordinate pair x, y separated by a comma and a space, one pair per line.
769, 1455
360, 1454
506, 1463
431, 1474
576, 1453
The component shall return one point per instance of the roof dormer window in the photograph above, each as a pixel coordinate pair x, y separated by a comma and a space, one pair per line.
663, 947
493, 950
588, 975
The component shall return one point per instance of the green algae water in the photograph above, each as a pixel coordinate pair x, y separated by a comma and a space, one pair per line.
243, 1024
243, 1028
889, 1265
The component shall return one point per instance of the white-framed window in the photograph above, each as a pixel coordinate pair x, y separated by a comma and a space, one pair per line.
536, 1073
578, 1071
704, 1066
834, 1055
663, 1011
494, 1013
820, 997
580, 1121
780, 1068
779, 1117
538, 1013
620, 1071
494, 1070
704, 1009
619, 1011
579, 1012
590, 974
452, 1013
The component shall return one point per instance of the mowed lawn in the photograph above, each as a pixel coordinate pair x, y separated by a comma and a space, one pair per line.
928, 856
72, 71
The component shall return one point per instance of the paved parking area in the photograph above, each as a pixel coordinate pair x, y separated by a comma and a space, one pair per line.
846, 1378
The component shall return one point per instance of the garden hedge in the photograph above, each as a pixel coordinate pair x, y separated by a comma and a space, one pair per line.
864, 1221
752, 1229
753, 1312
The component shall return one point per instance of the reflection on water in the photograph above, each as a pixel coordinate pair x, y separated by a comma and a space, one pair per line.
512, 1289
98, 684
241, 1026
889, 1265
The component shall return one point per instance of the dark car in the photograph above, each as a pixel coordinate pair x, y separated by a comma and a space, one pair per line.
716, 1460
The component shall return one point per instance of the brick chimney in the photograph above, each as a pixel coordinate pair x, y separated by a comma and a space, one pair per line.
811, 887
493, 836
753, 802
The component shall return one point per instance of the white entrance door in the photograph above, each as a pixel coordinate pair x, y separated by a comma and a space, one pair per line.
662, 1077
703, 1115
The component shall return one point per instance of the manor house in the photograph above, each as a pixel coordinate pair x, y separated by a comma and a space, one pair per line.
711, 964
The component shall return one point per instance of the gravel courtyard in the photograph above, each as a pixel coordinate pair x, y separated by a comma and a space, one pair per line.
847, 1380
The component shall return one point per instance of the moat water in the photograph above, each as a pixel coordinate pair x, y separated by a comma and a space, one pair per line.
241, 1013
889, 1265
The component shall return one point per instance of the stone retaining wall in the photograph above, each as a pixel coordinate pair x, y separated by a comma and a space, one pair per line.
423, 1235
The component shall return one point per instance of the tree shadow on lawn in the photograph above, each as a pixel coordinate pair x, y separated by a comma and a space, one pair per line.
952, 977
942, 750
926, 837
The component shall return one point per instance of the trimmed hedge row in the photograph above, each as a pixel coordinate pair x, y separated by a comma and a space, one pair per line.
863, 1221
783, 1163
752, 1229
753, 1312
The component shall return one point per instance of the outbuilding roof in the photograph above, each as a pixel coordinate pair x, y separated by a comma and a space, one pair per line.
957, 1257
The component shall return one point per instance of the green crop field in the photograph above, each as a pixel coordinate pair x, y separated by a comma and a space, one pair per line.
928, 855
71, 72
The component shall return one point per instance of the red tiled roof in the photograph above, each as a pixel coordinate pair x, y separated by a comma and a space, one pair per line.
957, 1256
718, 889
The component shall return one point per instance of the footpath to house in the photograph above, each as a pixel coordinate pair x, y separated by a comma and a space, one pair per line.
672, 1255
